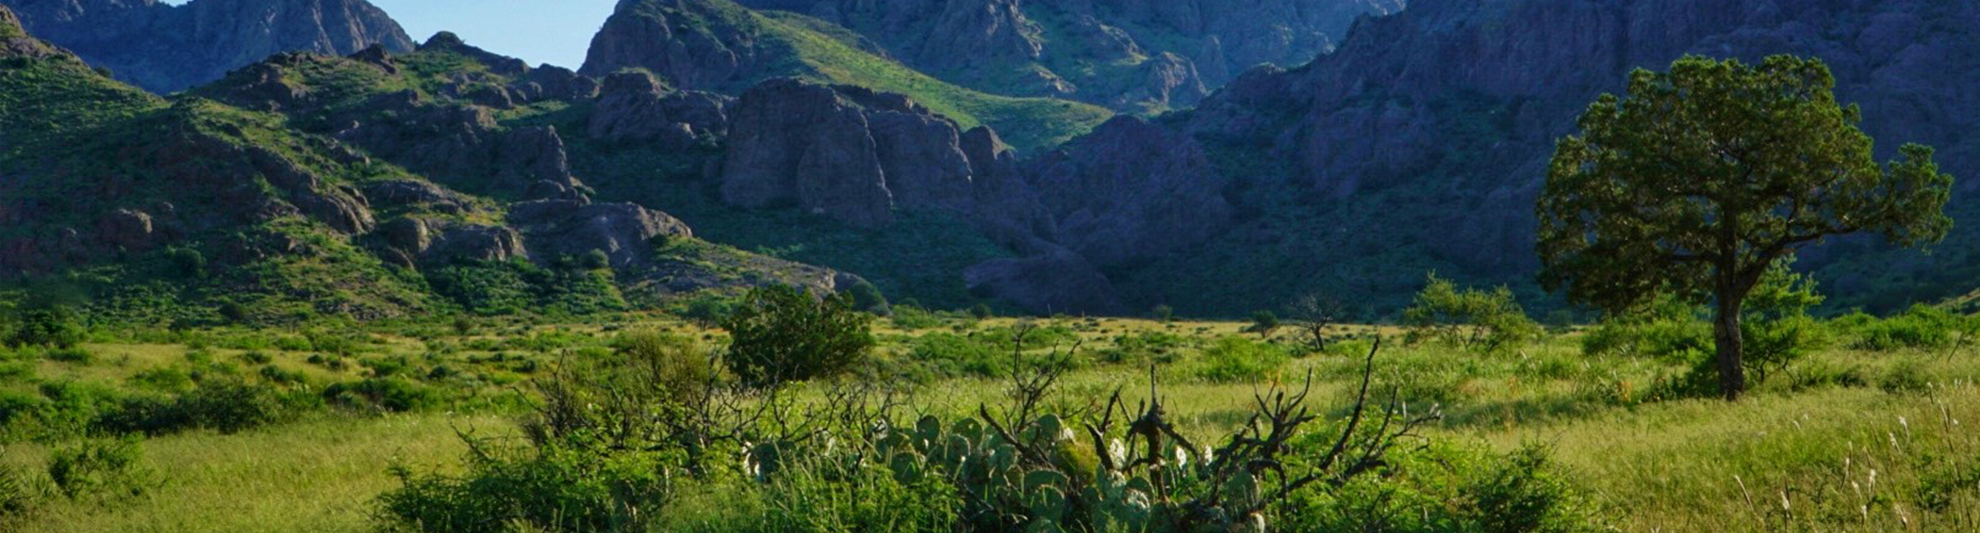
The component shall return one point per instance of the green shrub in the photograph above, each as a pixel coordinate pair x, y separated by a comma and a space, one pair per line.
226, 405
1920, 328
1237, 359
54, 327
1470, 319
866, 297
1146, 347
382, 394
1446, 488
99, 468
952, 355
787, 334
548, 489
74, 355
678, 366
911, 318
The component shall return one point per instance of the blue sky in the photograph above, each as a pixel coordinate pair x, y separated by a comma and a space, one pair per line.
538, 31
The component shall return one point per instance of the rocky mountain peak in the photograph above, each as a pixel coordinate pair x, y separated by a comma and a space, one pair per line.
166, 48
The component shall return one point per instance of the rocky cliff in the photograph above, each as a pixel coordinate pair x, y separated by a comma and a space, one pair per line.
165, 48
1131, 55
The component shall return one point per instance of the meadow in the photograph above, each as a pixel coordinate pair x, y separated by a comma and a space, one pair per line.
1866, 431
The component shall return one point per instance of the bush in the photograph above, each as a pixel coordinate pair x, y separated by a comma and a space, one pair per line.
952, 355
913, 318
1444, 487
677, 366
226, 405
1237, 359
707, 310
787, 334
98, 468
866, 297
1920, 328
1471, 319
382, 394
1146, 347
74, 355
54, 327
550, 489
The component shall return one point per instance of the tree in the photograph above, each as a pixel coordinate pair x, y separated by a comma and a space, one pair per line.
53, 327
784, 334
1264, 323
1470, 319
1700, 179
1314, 314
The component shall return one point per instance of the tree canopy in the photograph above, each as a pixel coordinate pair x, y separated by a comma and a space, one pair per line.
1701, 178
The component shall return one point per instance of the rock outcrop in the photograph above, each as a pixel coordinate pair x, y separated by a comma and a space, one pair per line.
694, 44
15, 42
165, 48
635, 108
856, 155
566, 228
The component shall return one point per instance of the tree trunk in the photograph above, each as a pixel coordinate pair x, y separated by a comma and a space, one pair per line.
1731, 344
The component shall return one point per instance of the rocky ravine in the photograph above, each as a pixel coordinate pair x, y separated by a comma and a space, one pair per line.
164, 48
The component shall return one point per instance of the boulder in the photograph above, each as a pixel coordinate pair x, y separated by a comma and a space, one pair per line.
564, 228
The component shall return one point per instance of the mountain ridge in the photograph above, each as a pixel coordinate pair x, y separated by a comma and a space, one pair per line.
166, 48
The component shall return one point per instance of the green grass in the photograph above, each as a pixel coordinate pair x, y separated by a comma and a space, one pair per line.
311, 476
1672, 465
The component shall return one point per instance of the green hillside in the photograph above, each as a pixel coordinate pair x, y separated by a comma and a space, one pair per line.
799, 46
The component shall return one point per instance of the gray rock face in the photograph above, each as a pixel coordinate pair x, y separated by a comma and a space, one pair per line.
417, 195
634, 108
691, 43
459, 145
797, 144
1131, 190
165, 48
856, 155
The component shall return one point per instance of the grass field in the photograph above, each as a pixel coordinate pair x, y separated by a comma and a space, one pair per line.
1846, 440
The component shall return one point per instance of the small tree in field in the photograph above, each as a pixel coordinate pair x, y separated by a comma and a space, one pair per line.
1264, 323
1700, 179
785, 334
1470, 319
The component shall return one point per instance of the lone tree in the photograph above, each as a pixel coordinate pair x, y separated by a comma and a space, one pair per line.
788, 334
1700, 179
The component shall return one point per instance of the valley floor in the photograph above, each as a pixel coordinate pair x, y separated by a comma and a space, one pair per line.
1847, 440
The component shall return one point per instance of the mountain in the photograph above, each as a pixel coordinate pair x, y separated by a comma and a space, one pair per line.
1128, 55
369, 186
165, 48
1420, 143
721, 46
